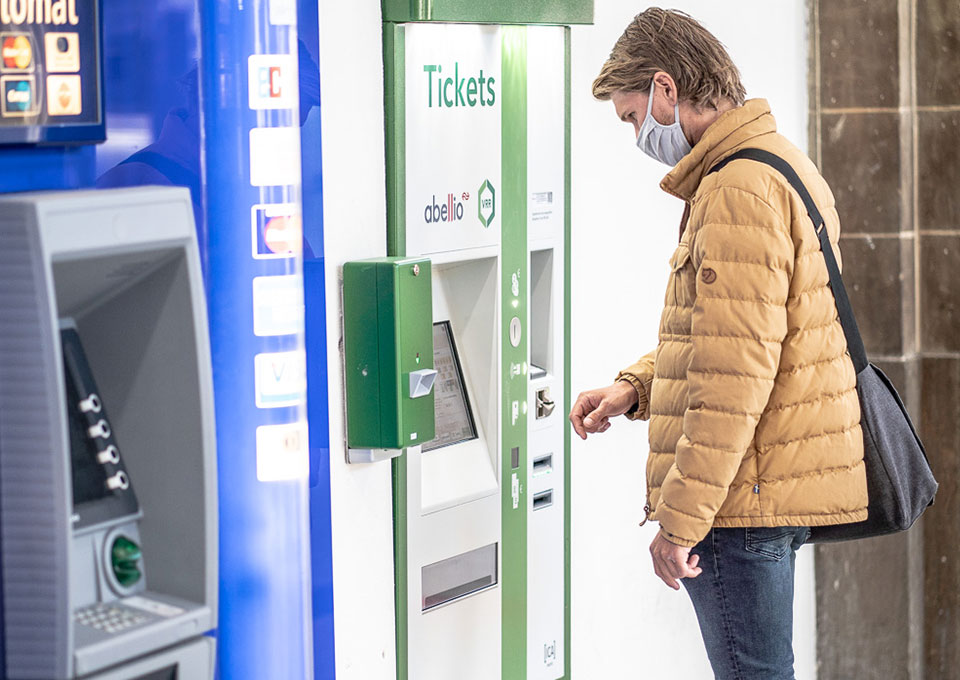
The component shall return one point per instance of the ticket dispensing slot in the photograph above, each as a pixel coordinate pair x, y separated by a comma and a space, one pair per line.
459, 576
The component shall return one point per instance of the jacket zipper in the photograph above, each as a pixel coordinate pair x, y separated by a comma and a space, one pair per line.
646, 509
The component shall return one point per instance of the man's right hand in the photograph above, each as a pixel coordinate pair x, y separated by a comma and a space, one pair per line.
594, 408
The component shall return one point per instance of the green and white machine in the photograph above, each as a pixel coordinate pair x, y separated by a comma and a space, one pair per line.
478, 179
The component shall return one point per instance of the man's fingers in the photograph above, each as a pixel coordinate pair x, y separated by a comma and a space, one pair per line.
596, 417
576, 416
675, 570
662, 567
661, 574
605, 426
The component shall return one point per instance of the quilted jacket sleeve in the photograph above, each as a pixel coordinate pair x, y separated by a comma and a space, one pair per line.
640, 375
743, 256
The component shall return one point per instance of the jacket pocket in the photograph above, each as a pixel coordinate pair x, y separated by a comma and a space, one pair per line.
770, 542
678, 261
680, 257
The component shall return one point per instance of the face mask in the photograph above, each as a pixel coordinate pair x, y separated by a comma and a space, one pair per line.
665, 143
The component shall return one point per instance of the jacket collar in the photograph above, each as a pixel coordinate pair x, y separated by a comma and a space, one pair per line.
726, 134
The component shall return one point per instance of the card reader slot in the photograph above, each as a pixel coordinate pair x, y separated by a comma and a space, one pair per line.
542, 500
542, 464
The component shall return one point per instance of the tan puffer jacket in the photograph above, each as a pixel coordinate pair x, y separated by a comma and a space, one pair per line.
751, 395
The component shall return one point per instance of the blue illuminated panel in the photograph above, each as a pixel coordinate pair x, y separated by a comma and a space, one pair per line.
251, 125
321, 572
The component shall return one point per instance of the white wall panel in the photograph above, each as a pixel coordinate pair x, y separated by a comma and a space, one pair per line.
626, 622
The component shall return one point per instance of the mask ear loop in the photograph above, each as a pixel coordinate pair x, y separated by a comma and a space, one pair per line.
653, 86
676, 115
645, 126
676, 109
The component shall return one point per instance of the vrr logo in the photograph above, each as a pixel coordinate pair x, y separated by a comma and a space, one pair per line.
486, 203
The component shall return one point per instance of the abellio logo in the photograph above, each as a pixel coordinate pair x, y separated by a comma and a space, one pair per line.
450, 211
486, 203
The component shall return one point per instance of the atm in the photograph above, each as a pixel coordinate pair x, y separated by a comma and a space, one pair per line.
108, 491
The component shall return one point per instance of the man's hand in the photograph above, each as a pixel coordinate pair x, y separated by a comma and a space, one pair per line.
594, 408
673, 562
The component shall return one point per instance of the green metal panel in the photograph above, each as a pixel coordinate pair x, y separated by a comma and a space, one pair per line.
491, 11
388, 334
394, 67
514, 262
567, 462
361, 352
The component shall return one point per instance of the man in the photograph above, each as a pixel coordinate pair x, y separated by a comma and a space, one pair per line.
751, 395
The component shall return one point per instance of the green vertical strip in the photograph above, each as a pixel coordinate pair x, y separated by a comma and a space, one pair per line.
513, 257
394, 82
394, 64
567, 462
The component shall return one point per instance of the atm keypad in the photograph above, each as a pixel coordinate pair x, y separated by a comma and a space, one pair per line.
109, 618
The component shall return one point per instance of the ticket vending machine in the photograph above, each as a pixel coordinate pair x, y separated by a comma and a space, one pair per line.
108, 520
477, 133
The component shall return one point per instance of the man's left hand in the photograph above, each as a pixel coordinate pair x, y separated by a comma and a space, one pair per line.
673, 562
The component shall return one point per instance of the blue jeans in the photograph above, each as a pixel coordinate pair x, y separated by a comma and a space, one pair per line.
744, 600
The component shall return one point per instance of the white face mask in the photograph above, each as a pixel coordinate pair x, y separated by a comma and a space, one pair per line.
665, 143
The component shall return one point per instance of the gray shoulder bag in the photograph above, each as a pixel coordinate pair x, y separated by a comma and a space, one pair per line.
900, 484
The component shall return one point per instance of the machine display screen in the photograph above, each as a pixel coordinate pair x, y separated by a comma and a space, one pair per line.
451, 406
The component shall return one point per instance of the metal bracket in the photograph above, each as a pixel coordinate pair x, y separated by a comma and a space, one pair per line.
371, 455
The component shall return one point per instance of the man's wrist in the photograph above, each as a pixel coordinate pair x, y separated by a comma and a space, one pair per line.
635, 389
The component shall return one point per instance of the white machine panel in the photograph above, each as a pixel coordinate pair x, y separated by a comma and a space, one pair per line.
546, 459
452, 137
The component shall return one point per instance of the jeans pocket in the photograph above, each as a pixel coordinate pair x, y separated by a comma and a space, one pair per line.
772, 543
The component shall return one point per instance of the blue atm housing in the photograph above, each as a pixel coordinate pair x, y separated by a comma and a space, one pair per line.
153, 65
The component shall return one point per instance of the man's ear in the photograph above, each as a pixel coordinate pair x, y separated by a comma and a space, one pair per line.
664, 80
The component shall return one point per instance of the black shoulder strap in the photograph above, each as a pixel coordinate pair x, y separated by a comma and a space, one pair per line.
844, 310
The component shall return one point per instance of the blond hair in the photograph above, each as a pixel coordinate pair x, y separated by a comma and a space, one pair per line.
674, 42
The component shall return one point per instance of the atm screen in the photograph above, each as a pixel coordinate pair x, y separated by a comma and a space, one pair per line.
101, 485
451, 405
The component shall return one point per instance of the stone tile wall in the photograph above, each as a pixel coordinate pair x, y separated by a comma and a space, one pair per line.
885, 130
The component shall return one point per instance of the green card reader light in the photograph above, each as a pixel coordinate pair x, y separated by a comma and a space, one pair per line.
388, 356
125, 560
